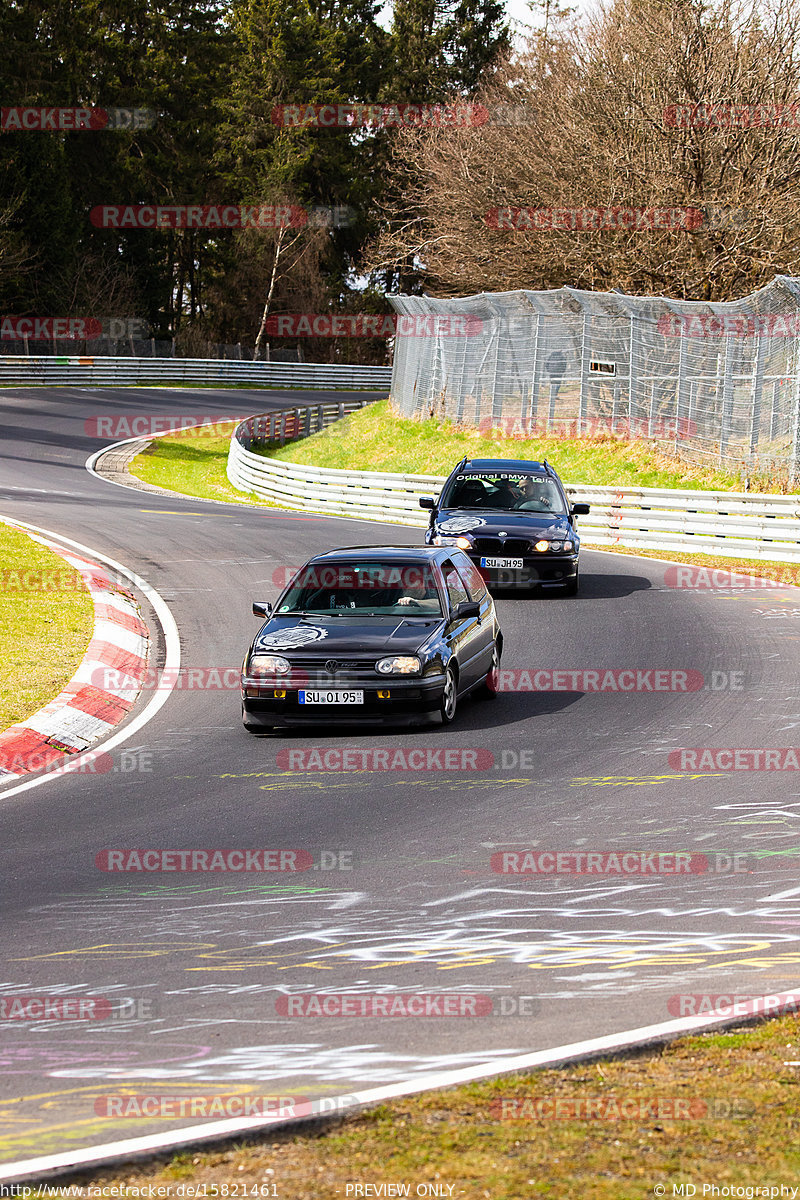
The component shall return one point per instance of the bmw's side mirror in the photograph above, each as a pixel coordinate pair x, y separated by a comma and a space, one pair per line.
579, 510
261, 608
427, 502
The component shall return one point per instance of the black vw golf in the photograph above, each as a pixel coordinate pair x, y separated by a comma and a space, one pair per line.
512, 517
372, 634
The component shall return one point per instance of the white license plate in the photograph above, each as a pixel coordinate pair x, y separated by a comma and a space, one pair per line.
320, 697
514, 563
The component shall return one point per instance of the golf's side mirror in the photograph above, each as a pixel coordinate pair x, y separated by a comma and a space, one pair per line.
261, 608
467, 608
427, 502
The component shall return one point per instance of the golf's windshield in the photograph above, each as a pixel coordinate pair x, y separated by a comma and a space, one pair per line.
521, 491
364, 588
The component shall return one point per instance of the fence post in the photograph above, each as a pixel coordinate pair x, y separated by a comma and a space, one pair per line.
536, 381
795, 418
727, 399
774, 408
758, 389
584, 376
633, 379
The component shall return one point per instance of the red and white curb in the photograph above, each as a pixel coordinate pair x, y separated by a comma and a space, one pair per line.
84, 712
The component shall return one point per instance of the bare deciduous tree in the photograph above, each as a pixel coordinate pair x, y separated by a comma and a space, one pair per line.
611, 119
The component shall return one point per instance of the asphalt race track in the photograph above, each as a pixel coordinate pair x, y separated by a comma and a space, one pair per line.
410, 902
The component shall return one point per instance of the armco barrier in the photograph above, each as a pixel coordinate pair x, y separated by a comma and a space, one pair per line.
136, 372
290, 424
731, 524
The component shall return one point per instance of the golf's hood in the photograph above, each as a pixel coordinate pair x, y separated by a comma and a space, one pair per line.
327, 636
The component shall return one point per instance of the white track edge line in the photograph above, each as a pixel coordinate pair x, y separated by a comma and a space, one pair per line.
174, 1139
172, 660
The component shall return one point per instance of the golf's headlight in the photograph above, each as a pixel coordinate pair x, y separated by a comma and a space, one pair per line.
442, 539
400, 664
269, 664
542, 545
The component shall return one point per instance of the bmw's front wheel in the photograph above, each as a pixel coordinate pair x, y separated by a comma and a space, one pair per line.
571, 586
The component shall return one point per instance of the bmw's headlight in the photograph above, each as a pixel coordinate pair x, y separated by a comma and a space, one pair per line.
399, 664
542, 545
269, 664
463, 543
567, 544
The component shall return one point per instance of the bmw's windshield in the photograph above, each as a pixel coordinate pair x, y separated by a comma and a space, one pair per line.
364, 588
520, 491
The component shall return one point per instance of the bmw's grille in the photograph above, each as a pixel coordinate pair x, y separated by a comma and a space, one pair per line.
507, 548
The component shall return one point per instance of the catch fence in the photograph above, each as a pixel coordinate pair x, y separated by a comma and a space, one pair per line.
719, 383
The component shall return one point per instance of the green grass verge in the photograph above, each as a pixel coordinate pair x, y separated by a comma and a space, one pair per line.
46, 622
192, 463
456, 1139
376, 439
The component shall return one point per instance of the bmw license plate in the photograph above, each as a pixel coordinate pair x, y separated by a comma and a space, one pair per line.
513, 563
330, 697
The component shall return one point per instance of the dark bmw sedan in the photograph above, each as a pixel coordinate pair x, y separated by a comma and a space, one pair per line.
373, 635
512, 517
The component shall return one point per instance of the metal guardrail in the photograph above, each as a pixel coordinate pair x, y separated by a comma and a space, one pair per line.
290, 424
731, 524
76, 371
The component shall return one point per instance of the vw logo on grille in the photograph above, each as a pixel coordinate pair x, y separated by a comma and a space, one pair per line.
331, 666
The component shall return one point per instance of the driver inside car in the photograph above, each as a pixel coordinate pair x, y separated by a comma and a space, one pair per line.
418, 595
504, 496
536, 494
